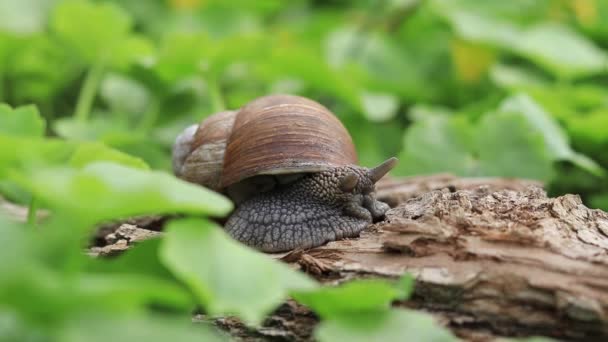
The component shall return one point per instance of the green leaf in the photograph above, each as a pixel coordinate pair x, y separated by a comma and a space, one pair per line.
355, 297
509, 146
22, 153
141, 259
554, 47
562, 51
395, 325
15, 241
21, 121
104, 191
126, 328
88, 153
438, 143
92, 30
479, 28
228, 278
554, 136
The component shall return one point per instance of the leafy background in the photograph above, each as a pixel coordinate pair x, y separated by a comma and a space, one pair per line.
95, 91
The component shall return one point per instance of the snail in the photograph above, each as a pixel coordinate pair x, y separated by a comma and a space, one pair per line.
290, 166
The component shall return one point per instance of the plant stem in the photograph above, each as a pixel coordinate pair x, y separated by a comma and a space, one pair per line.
31, 212
150, 116
215, 93
1, 85
88, 91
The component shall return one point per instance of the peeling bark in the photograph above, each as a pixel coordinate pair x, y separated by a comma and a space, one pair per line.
509, 262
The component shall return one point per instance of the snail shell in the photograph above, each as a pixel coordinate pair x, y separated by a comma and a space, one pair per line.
276, 135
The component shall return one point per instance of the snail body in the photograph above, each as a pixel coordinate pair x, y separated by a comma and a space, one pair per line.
290, 166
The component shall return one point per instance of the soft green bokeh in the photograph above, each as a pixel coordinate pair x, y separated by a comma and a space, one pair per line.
92, 94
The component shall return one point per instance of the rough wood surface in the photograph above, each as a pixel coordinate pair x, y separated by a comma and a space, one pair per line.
487, 261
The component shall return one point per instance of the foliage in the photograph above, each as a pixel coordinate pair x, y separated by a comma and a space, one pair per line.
93, 93
53, 291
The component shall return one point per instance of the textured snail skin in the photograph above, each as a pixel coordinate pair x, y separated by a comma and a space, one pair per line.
307, 213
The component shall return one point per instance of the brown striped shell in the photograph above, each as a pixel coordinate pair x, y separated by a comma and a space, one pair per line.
272, 135
203, 148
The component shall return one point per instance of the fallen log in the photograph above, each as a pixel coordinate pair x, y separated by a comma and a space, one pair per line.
491, 257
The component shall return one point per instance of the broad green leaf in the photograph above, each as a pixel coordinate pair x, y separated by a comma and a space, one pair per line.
41, 287
509, 146
543, 123
87, 153
92, 30
227, 277
21, 153
554, 136
128, 291
358, 296
141, 259
554, 47
562, 51
395, 325
21, 121
478, 28
127, 328
438, 143
15, 241
104, 191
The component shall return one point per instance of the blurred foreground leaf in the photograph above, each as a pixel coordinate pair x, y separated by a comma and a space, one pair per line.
126, 328
21, 121
395, 325
358, 296
88, 153
227, 277
103, 191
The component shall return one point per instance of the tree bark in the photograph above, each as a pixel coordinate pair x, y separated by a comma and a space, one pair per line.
491, 257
